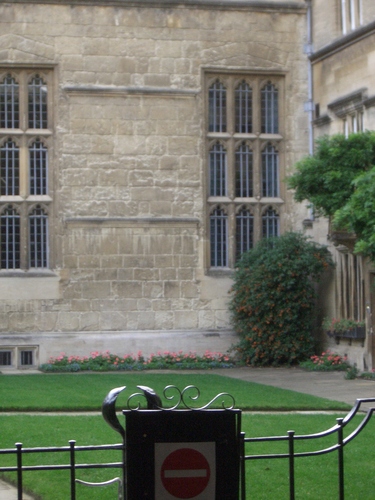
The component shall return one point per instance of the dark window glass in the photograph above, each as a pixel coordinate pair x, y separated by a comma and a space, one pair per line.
38, 231
37, 90
270, 109
26, 358
243, 109
5, 358
9, 169
9, 103
244, 171
218, 238
218, 170
38, 165
270, 224
270, 172
217, 108
244, 232
10, 239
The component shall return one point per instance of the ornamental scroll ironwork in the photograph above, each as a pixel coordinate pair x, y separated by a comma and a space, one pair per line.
179, 399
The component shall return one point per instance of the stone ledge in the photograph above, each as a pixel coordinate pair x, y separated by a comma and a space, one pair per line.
131, 221
221, 4
109, 91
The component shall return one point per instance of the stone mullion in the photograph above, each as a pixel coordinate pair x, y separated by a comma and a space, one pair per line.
256, 107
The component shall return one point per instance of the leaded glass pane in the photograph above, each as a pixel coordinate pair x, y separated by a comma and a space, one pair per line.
270, 223
37, 90
9, 103
218, 238
244, 171
270, 172
217, 107
244, 232
243, 109
38, 164
270, 109
9, 169
218, 170
38, 231
10, 239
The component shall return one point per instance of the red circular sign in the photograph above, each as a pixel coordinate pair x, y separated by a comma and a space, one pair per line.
185, 473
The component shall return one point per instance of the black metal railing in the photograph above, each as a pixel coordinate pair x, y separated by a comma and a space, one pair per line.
245, 446
290, 439
19, 451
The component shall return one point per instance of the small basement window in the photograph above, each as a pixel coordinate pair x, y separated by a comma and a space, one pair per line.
5, 358
26, 358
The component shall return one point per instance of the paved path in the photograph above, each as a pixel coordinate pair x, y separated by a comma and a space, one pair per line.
330, 385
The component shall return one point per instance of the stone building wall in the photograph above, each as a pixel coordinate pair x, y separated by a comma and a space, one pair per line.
344, 98
128, 168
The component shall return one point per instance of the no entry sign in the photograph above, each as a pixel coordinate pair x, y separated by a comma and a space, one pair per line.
182, 454
184, 470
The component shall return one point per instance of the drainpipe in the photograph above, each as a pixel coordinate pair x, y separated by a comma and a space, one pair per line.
309, 51
309, 105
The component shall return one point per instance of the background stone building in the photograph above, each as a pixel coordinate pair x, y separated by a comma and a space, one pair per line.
342, 64
143, 148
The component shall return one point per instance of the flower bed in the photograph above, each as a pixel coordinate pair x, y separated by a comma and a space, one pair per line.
111, 362
327, 361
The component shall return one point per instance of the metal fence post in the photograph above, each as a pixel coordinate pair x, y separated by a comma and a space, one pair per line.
340, 438
242, 466
19, 470
72, 470
291, 465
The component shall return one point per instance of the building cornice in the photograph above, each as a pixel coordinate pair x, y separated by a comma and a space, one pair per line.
369, 102
348, 103
343, 42
294, 6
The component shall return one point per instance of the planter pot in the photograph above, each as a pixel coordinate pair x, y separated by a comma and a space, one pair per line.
355, 333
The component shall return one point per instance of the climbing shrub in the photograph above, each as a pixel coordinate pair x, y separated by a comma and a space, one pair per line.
273, 299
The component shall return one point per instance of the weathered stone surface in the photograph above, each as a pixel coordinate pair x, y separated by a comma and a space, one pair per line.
128, 167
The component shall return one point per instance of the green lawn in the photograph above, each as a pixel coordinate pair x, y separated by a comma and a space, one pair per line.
315, 477
266, 479
78, 392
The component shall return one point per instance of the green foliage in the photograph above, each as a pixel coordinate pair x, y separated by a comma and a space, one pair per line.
273, 299
351, 373
357, 215
326, 179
